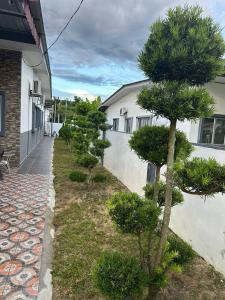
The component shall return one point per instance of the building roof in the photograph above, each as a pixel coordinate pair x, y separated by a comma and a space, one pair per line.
19, 32
123, 90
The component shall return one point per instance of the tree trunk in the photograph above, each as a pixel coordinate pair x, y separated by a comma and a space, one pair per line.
168, 193
156, 187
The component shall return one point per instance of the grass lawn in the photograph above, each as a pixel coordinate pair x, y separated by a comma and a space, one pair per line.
83, 230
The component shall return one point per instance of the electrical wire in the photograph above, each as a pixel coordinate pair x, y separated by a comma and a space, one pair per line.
56, 40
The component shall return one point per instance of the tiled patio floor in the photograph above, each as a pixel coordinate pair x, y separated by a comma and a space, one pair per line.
23, 203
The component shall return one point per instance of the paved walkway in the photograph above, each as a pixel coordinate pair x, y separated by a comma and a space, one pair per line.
24, 203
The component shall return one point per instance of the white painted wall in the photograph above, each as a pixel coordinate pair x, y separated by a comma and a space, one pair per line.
124, 163
28, 75
199, 222
202, 222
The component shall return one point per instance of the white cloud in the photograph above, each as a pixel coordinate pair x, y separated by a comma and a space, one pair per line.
81, 93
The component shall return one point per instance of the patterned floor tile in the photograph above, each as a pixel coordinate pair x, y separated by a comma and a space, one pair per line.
23, 203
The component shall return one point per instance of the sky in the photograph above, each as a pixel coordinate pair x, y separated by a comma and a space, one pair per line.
98, 51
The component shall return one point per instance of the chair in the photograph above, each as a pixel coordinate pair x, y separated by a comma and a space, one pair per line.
4, 160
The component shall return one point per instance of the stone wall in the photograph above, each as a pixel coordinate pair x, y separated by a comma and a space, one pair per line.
10, 84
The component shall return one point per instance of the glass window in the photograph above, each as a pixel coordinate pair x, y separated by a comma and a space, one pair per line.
151, 173
219, 132
128, 125
144, 121
213, 131
115, 124
2, 113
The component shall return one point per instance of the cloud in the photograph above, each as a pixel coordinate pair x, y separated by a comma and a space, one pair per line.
81, 93
106, 32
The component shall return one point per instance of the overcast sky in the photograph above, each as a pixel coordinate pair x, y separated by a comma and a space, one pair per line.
98, 51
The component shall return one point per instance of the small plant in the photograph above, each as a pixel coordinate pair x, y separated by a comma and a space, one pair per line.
99, 178
78, 176
177, 197
133, 214
184, 250
87, 161
118, 277
65, 133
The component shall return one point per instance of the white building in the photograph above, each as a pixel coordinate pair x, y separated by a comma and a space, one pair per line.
199, 222
25, 77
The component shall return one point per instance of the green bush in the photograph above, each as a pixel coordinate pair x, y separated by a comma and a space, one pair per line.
177, 197
151, 144
99, 178
87, 161
118, 277
200, 176
185, 251
65, 133
77, 176
133, 214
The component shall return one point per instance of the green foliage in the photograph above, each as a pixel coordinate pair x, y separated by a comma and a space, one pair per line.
81, 142
176, 101
185, 46
133, 214
83, 108
65, 133
97, 118
177, 197
99, 178
151, 144
118, 277
200, 176
99, 146
78, 176
87, 161
159, 278
184, 250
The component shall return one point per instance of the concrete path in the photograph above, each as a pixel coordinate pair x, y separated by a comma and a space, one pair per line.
26, 211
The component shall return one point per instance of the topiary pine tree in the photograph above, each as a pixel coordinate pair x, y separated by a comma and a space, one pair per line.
200, 176
183, 50
151, 144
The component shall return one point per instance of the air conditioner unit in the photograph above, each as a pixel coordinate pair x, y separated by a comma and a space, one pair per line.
36, 91
123, 111
36, 87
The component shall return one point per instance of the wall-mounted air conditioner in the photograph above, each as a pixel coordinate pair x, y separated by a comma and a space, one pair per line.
123, 111
36, 91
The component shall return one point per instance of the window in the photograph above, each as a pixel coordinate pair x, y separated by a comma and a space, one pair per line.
128, 125
144, 121
37, 118
212, 131
115, 124
151, 173
2, 113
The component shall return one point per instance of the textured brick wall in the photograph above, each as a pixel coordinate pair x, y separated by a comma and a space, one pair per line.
10, 83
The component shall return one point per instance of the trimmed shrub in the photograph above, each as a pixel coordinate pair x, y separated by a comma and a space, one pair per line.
99, 178
87, 161
133, 214
118, 277
177, 197
77, 176
185, 251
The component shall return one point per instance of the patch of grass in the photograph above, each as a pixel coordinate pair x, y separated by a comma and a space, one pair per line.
83, 228
99, 177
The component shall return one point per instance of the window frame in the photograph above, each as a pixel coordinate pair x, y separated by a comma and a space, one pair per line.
118, 120
2, 116
125, 125
214, 117
138, 119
